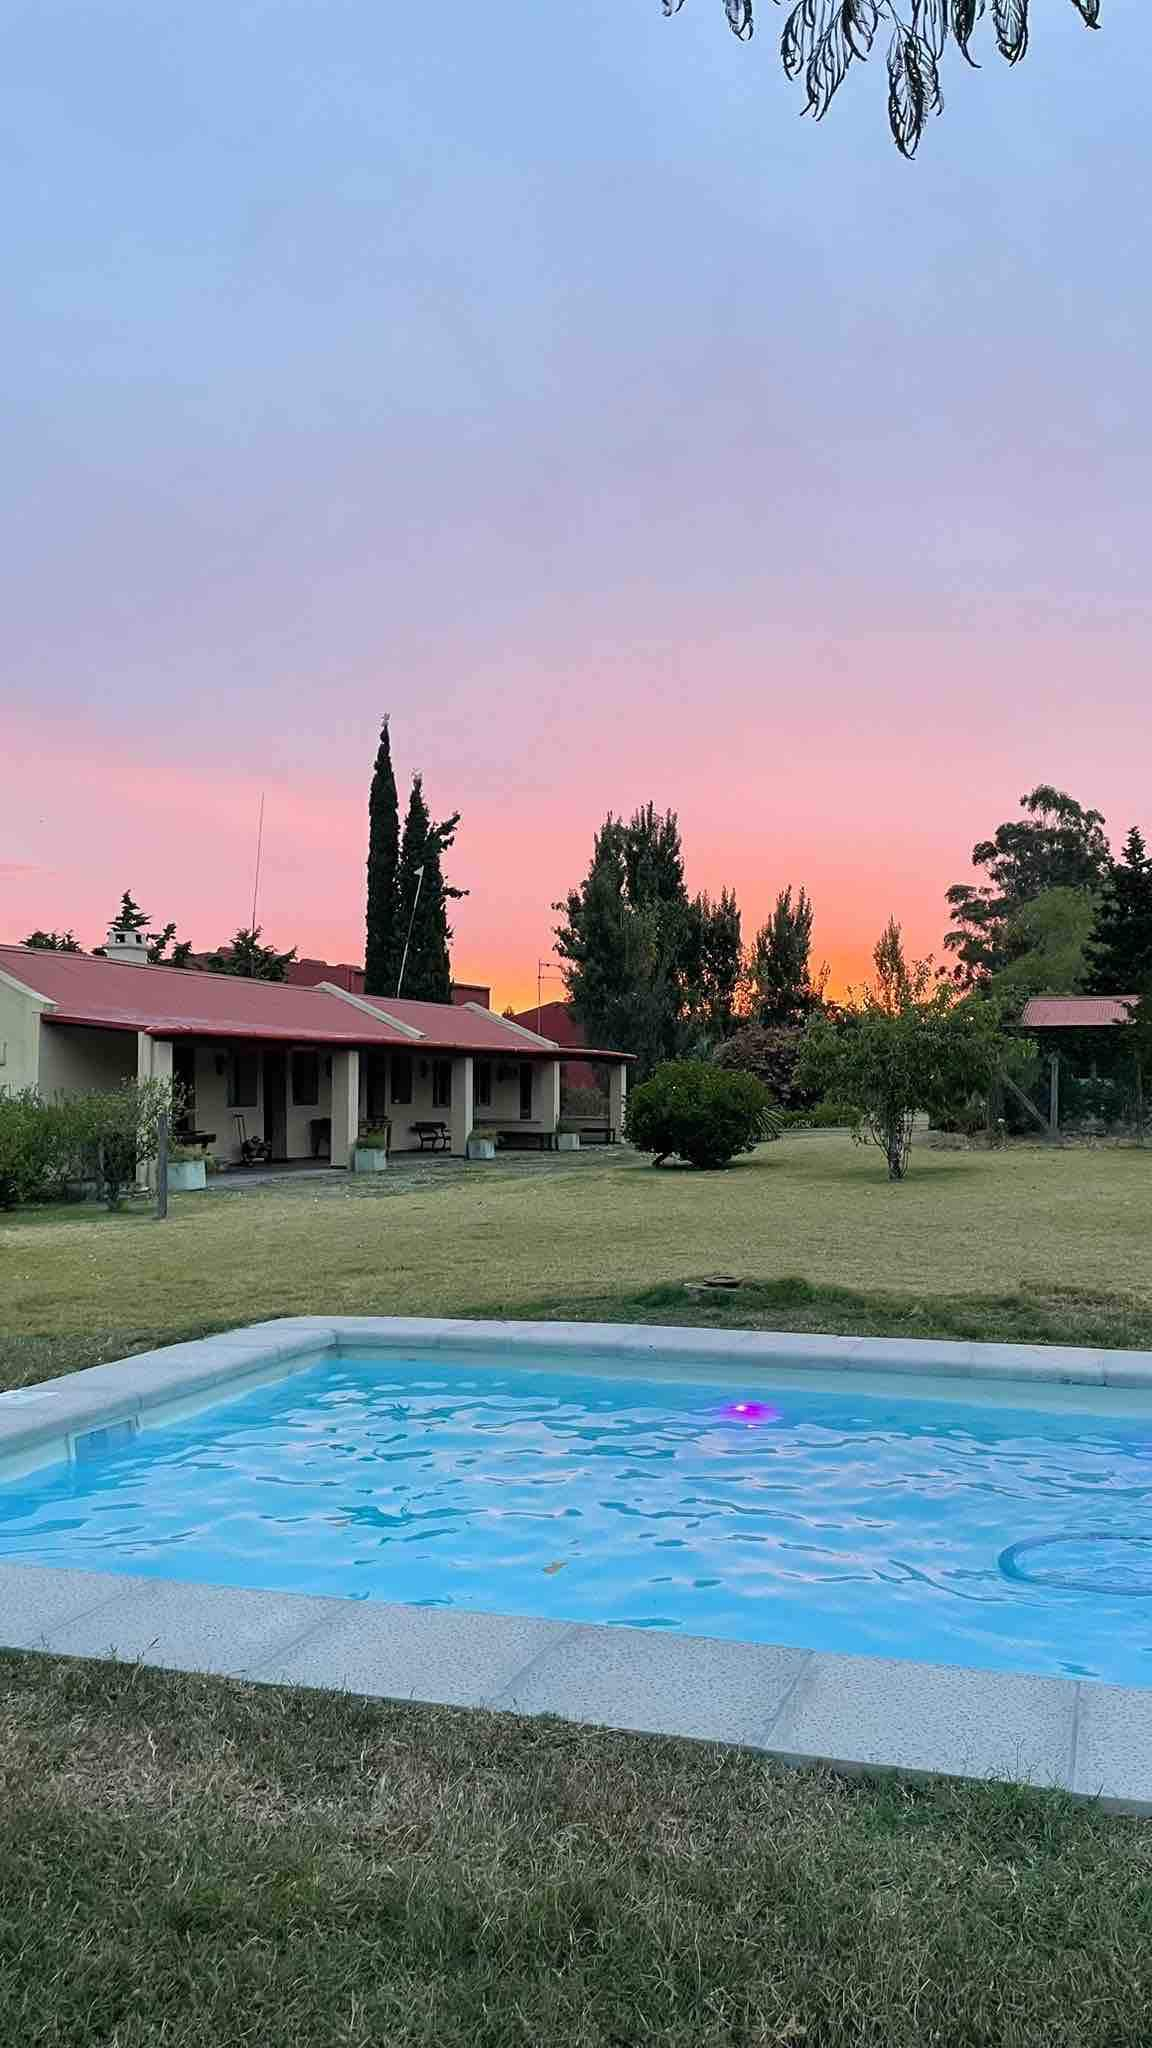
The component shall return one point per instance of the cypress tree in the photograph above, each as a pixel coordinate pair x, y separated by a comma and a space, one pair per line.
423, 898
384, 933
1119, 951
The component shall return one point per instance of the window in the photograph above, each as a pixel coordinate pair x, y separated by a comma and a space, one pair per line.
401, 1077
243, 1080
526, 1079
305, 1079
441, 1084
483, 1084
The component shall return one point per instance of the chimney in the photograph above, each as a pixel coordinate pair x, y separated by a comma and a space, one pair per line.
129, 948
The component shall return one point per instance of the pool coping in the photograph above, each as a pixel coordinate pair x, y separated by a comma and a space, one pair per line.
802, 1706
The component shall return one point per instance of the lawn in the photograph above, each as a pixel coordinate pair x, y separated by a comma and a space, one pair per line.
1026, 1243
207, 1865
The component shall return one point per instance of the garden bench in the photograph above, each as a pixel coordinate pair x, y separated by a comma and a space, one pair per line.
515, 1135
605, 1132
201, 1138
433, 1137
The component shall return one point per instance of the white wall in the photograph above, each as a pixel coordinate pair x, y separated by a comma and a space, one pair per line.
214, 1114
19, 1039
74, 1057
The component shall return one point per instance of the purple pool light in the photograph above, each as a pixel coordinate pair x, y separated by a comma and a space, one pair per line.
752, 1411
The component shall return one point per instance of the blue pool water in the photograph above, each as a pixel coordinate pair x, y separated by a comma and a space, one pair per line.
836, 1520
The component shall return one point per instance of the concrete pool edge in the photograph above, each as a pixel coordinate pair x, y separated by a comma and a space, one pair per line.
854, 1712
53, 1413
798, 1706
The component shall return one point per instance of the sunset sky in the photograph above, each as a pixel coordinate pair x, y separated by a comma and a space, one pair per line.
532, 372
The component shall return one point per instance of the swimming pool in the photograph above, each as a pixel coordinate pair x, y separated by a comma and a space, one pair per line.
992, 1528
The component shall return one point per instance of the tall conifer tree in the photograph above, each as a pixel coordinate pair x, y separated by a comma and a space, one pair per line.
423, 899
383, 938
1120, 949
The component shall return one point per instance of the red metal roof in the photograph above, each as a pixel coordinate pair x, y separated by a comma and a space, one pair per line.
1075, 1013
172, 1002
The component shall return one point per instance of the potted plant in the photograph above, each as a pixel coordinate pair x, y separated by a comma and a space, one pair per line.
370, 1154
187, 1169
567, 1137
481, 1145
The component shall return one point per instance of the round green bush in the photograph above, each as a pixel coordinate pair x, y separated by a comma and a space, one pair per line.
700, 1113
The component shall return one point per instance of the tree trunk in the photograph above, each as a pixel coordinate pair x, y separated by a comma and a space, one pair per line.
896, 1149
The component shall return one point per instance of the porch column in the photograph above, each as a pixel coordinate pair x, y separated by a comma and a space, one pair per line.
460, 1115
153, 1063
345, 1105
549, 1085
617, 1096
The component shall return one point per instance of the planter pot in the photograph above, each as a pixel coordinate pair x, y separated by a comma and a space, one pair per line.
185, 1175
567, 1141
369, 1159
481, 1148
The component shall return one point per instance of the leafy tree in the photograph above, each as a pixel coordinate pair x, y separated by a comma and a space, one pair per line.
693, 1110
424, 896
53, 942
646, 969
115, 1129
1137, 1044
781, 989
713, 964
772, 1053
1120, 944
822, 40
1053, 932
1056, 845
245, 955
911, 1042
158, 949
384, 936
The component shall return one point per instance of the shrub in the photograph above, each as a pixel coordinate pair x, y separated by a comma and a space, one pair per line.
700, 1113
31, 1159
374, 1140
772, 1053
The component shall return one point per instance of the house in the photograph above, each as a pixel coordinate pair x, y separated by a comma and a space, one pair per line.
304, 1068
557, 1021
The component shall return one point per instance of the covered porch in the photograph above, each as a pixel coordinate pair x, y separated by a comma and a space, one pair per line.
284, 1103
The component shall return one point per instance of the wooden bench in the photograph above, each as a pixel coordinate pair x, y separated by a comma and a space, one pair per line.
605, 1132
201, 1138
511, 1138
433, 1137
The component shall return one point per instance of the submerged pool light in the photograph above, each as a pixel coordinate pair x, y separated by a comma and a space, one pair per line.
752, 1411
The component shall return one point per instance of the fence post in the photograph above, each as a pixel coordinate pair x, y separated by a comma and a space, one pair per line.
162, 1165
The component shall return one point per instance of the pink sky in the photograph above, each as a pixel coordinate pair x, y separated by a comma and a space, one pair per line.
862, 770
565, 395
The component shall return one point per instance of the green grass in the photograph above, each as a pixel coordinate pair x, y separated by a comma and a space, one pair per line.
206, 1865
1037, 1244
195, 1864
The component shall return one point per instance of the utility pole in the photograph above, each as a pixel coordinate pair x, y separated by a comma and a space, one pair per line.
162, 1166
